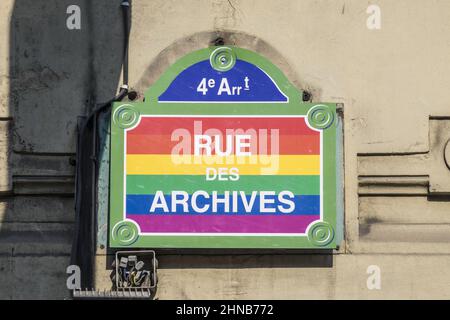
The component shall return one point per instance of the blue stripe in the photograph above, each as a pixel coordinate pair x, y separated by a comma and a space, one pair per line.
304, 205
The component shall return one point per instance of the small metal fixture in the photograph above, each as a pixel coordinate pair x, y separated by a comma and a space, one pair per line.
136, 270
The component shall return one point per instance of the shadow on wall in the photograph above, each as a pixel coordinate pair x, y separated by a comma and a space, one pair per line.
243, 259
55, 76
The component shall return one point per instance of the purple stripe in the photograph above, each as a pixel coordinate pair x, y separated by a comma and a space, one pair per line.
223, 223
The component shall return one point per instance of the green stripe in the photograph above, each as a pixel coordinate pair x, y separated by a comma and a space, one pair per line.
149, 184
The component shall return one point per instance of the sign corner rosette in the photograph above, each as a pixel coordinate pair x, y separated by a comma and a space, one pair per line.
223, 153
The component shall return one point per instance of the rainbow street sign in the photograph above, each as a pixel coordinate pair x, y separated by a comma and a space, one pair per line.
223, 153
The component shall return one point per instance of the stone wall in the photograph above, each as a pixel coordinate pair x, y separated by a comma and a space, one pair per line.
393, 83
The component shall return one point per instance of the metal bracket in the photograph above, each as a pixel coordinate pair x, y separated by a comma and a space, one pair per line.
122, 293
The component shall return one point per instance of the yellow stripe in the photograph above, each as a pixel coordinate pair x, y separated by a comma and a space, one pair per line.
247, 165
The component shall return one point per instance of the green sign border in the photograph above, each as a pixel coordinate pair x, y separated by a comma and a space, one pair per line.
322, 116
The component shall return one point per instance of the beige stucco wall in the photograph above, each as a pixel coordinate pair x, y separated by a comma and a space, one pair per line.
391, 81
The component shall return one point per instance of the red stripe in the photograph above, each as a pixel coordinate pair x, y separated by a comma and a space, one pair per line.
162, 144
166, 125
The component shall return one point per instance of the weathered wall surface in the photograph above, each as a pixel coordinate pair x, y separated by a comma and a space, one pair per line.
393, 83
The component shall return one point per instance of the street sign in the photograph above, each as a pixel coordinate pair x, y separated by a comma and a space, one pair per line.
223, 153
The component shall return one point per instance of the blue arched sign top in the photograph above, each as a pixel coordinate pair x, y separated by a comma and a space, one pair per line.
243, 83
